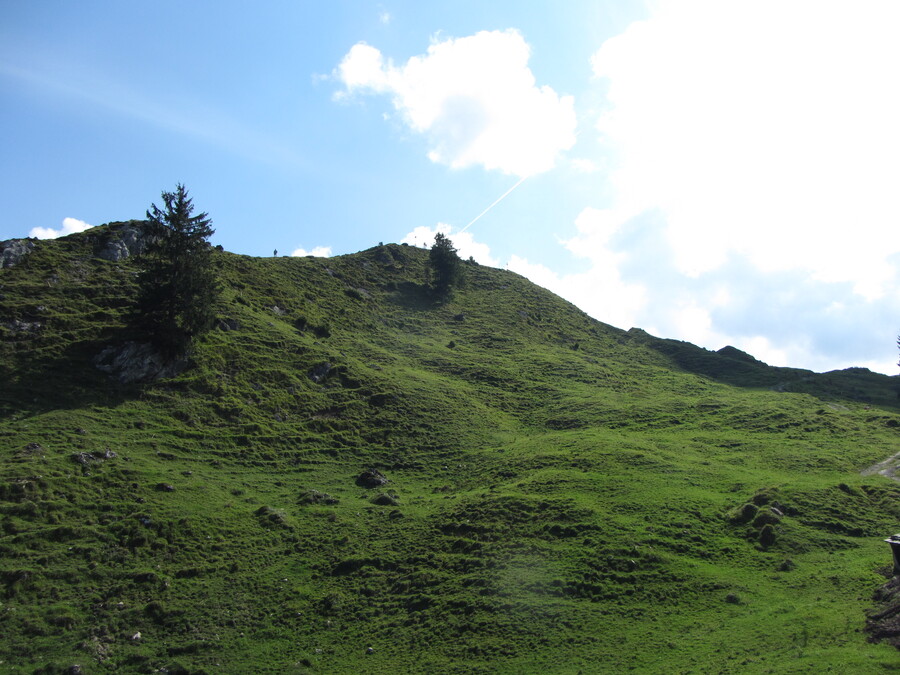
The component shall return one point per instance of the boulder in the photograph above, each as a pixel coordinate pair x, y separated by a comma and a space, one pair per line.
371, 478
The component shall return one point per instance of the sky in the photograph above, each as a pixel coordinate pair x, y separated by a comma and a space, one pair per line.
723, 172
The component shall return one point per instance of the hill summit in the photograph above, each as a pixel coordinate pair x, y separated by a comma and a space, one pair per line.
347, 476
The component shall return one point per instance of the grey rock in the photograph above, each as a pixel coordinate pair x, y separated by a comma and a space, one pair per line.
124, 240
86, 458
371, 478
13, 250
114, 250
17, 326
132, 362
83, 458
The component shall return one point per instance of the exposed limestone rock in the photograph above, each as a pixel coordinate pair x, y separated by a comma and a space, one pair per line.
13, 250
123, 240
137, 362
18, 327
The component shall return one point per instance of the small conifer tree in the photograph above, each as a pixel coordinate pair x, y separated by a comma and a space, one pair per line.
444, 267
178, 286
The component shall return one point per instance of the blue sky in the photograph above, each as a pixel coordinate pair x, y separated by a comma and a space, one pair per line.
717, 171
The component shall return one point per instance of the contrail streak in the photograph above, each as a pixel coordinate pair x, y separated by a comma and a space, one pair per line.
497, 201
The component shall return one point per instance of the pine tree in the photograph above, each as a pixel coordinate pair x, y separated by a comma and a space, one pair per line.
444, 267
178, 286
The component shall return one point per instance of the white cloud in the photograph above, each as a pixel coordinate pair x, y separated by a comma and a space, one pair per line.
474, 98
318, 251
783, 317
761, 128
69, 226
384, 17
750, 155
465, 244
585, 165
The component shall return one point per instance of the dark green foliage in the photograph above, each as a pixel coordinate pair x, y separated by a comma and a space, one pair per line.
178, 287
445, 268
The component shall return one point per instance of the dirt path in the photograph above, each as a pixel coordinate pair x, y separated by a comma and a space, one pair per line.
889, 468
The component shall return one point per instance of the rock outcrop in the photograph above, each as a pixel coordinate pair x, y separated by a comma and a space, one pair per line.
123, 240
133, 362
13, 250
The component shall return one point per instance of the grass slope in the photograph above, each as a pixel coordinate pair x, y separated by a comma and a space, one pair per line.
564, 496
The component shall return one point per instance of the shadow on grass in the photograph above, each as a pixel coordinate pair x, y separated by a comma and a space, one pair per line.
65, 380
414, 297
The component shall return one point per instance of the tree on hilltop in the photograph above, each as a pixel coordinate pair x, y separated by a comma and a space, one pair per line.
444, 267
178, 286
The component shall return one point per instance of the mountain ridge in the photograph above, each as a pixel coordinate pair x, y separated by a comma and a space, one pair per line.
560, 493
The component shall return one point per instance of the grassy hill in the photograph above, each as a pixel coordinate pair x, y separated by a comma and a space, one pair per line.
562, 496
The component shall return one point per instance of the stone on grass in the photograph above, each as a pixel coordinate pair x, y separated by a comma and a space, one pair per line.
371, 478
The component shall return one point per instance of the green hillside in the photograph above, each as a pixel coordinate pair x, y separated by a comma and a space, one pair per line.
562, 496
